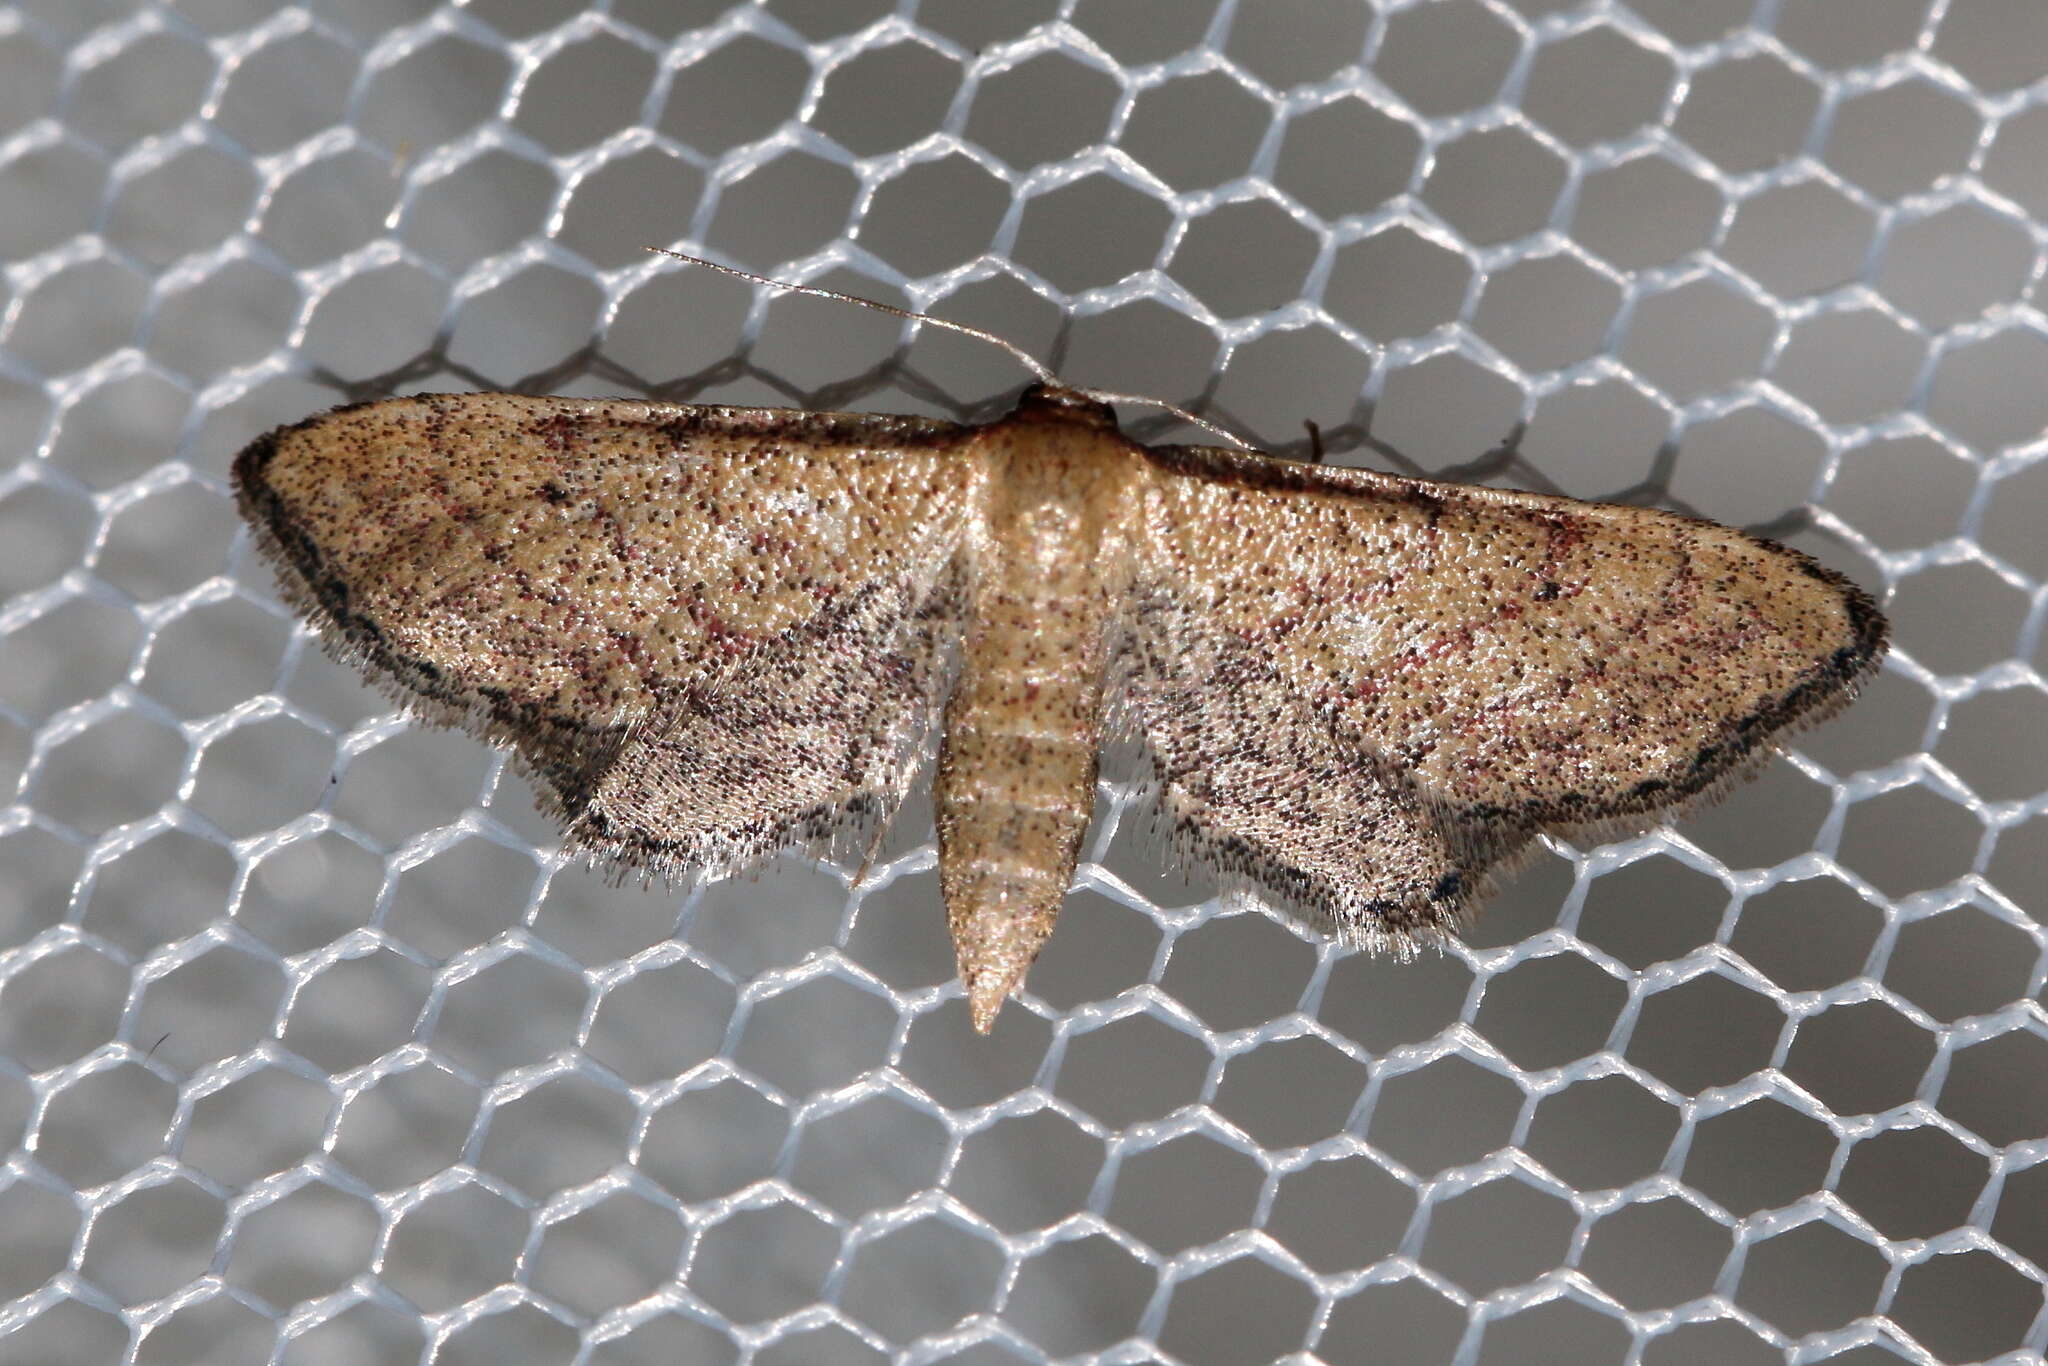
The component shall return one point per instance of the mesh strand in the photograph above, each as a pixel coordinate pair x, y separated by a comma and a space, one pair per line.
309, 1049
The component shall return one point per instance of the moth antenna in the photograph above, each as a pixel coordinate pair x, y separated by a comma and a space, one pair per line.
1106, 396
1023, 357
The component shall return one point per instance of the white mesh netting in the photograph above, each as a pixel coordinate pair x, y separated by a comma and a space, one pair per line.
309, 1052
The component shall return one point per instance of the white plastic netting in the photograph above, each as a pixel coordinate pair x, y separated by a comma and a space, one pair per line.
309, 1052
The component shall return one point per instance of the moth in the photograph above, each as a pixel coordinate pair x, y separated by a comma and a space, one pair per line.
708, 633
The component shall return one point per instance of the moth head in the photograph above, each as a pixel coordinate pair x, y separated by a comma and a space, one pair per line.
1058, 403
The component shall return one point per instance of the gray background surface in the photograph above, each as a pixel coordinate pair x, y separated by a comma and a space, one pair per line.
310, 1052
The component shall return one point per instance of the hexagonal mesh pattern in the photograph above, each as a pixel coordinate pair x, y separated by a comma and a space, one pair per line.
311, 1051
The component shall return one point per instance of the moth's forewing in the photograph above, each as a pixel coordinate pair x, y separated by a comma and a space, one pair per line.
1421, 676
704, 629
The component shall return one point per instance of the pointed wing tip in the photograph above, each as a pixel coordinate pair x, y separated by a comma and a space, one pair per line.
254, 498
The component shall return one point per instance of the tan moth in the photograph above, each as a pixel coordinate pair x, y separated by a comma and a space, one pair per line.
712, 632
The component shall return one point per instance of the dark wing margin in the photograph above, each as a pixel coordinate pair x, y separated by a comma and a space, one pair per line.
1424, 677
1253, 783
607, 586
